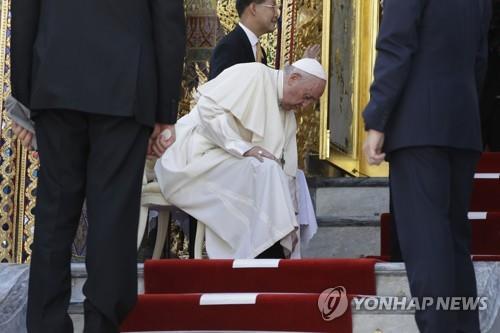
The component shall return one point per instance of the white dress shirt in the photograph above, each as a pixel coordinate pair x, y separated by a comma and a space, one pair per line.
252, 38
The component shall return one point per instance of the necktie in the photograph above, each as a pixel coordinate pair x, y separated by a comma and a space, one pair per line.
258, 52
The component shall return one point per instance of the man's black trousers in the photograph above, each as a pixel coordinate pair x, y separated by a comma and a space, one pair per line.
101, 159
430, 191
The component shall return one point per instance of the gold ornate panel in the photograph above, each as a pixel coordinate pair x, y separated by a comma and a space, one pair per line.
348, 53
18, 170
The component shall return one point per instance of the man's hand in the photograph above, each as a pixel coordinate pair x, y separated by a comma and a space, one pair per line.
23, 135
259, 153
159, 141
312, 51
372, 147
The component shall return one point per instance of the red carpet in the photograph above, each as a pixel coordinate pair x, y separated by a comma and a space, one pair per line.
485, 195
489, 163
292, 276
285, 294
273, 312
485, 243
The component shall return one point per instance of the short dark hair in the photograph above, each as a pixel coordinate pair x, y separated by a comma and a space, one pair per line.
241, 5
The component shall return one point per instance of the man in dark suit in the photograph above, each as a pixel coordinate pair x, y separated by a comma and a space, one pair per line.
490, 97
257, 17
423, 116
98, 76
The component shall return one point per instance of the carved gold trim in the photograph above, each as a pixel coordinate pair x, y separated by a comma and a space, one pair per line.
324, 133
3, 41
27, 223
288, 24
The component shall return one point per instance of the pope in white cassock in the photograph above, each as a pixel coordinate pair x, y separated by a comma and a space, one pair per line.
234, 154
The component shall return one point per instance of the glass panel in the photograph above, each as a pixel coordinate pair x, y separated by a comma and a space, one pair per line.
342, 37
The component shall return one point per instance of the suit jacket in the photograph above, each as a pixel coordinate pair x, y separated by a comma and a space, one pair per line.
113, 57
432, 57
232, 49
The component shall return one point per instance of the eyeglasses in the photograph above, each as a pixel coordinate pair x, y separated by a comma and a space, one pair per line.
275, 7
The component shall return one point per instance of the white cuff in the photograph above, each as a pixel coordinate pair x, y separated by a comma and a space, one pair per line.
239, 147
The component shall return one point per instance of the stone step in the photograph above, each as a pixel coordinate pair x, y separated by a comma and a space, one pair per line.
383, 322
362, 321
348, 212
349, 197
79, 276
344, 237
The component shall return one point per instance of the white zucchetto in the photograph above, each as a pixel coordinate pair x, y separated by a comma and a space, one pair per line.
311, 66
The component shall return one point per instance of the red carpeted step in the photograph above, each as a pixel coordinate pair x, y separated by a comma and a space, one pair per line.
485, 195
270, 312
288, 276
489, 162
486, 257
485, 236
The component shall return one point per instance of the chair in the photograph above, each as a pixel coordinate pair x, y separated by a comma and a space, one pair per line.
152, 197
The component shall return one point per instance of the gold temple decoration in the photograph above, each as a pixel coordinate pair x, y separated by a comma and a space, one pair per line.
26, 230
348, 53
202, 31
18, 169
228, 17
7, 168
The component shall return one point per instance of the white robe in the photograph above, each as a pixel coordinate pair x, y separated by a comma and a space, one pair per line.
244, 203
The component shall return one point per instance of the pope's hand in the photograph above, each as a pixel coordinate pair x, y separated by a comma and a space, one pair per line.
259, 153
372, 147
163, 136
312, 51
23, 135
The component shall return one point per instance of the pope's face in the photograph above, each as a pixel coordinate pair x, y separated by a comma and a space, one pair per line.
300, 93
266, 15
